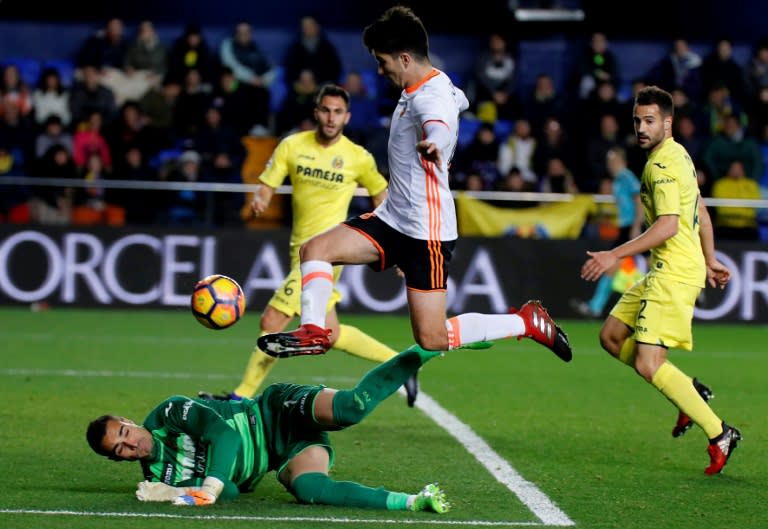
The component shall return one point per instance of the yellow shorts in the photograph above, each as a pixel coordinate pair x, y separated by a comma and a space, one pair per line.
660, 310
287, 298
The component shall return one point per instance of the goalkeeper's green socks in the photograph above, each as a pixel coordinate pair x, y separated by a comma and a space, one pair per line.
350, 406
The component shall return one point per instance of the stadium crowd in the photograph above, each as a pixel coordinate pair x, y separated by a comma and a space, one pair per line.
138, 108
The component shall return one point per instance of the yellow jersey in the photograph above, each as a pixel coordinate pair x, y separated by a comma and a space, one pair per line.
324, 180
669, 187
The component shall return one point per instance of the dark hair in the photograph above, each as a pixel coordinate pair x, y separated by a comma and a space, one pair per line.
397, 30
653, 95
332, 90
49, 71
97, 429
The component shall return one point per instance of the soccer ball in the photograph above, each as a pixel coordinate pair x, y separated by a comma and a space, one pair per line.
217, 302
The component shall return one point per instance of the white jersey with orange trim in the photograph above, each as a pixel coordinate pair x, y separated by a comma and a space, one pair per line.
419, 203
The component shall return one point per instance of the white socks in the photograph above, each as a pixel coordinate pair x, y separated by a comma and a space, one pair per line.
316, 289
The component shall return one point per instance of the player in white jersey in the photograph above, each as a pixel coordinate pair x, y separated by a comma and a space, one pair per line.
414, 228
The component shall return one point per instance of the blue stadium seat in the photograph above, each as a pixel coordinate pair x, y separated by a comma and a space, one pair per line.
467, 129
278, 90
371, 82
503, 128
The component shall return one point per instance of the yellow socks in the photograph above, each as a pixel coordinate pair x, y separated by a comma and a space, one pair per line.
256, 371
678, 388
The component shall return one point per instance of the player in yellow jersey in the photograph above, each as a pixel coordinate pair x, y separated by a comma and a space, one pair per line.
325, 168
656, 313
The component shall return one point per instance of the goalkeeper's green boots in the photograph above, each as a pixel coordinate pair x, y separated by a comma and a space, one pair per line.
431, 498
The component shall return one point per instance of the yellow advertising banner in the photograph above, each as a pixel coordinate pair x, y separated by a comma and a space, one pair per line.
558, 220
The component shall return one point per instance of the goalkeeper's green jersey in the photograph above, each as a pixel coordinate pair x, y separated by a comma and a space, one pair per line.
237, 442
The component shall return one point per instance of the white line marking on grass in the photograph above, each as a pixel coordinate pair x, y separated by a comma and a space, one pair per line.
538, 502
107, 373
321, 519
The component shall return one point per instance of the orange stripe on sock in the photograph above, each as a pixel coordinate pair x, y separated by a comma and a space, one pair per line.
316, 275
454, 333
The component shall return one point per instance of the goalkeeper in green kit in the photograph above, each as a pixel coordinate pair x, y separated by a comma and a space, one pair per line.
194, 451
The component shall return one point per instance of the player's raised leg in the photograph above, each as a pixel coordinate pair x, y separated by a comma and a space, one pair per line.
339, 245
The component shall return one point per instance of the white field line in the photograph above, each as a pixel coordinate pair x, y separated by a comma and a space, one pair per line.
305, 519
530, 495
533, 498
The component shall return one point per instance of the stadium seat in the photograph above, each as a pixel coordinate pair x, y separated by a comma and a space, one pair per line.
371, 82
278, 90
467, 129
503, 128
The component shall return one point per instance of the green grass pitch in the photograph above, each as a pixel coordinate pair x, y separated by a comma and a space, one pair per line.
590, 436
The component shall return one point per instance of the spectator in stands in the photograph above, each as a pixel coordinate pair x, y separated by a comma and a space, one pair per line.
53, 204
297, 110
518, 151
186, 207
758, 114
244, 57
53, 133
94, 203
544, 103
601, 102
364, 119
51, 98
14, 91
190, 51
140, 205
685, 133
191, 105
733, 222
147, 53
18, 135
105, 48
215, 136
597, 64
719, 66
710, 118
557, 178
683, 105
145, 62
242, 105
732, 144
129, 130
514, 182
88, 95
89, 139
312, 50
596, 151
226, 206
757, 69
158, 106
479, 157
681, 68
493, 85
14, 199
553, 142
